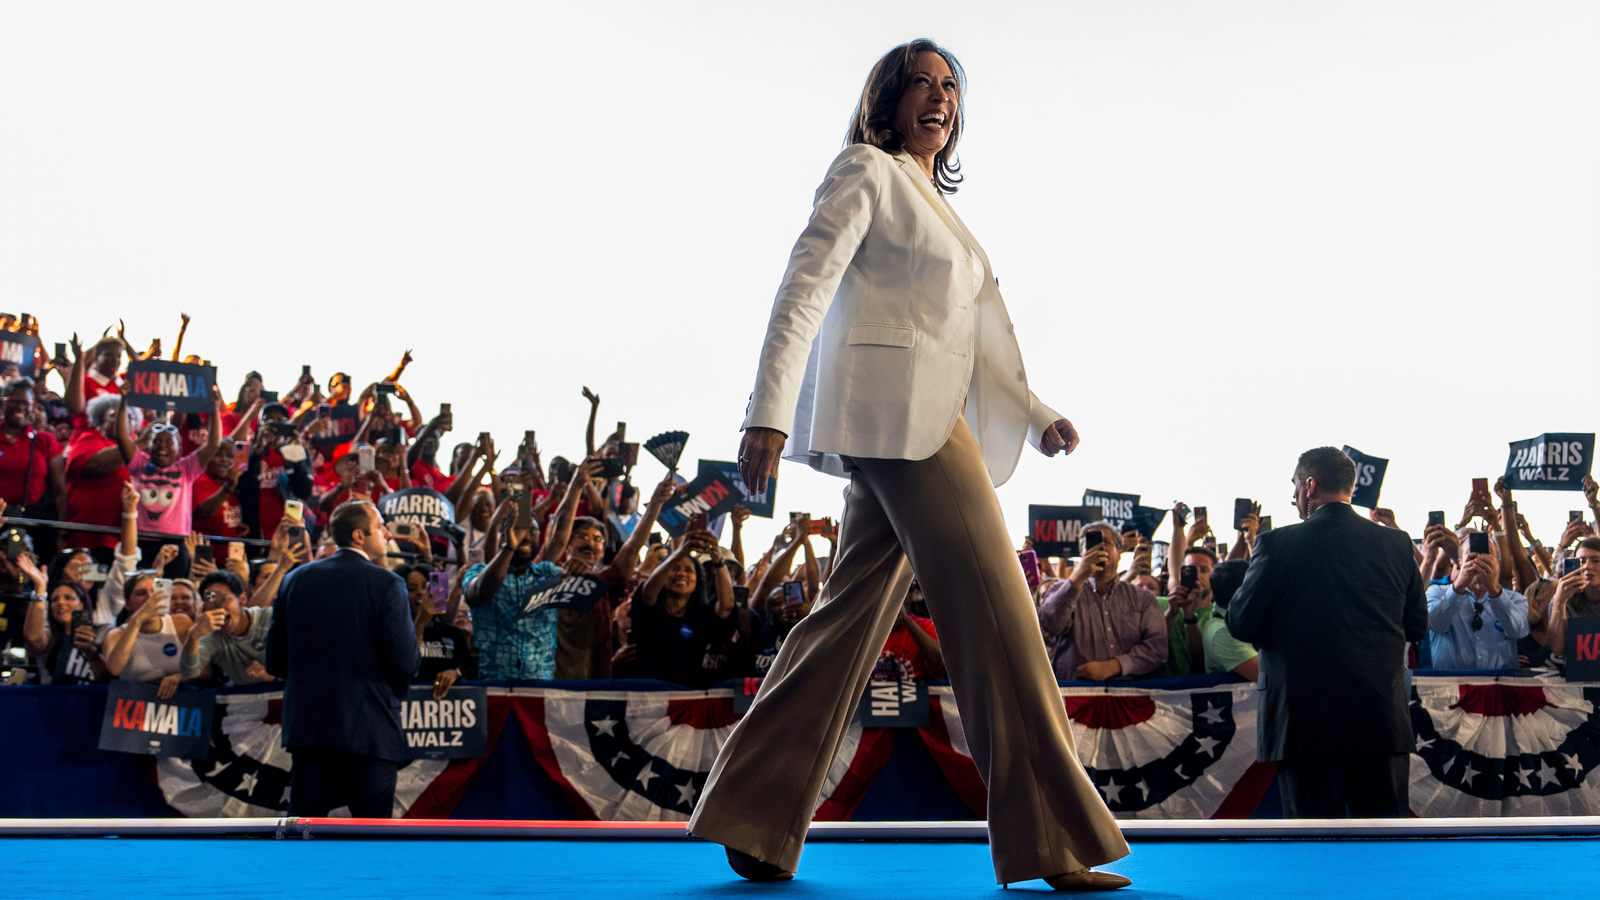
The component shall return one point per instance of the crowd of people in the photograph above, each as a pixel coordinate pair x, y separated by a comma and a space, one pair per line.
176, 531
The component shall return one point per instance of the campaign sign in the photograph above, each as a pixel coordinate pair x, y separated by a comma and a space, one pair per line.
137, 721
344, 421
710, 493
171, 386
456, 727
1550, 462
23, 350
578, 593
1114, 508
744, 694
1055, 529
894, 704
424, 506
1583, 648
761, 504
1369, 477
1146, 519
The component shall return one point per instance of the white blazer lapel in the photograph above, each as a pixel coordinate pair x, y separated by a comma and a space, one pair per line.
915, 173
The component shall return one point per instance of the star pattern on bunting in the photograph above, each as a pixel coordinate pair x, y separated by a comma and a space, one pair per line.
1142, 787
632, 766
1561, 768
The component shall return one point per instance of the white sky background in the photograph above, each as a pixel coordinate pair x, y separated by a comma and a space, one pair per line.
1226, 231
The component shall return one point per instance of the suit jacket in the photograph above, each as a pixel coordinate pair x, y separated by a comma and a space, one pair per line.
343, 640
888, 316
1330, 603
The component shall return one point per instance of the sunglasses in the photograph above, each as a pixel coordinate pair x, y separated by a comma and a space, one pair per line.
1477, 617
160, 427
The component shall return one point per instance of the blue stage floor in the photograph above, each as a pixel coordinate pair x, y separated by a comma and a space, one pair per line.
245, 868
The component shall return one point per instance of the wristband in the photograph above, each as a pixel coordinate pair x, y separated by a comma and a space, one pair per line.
1191, 620
127, 516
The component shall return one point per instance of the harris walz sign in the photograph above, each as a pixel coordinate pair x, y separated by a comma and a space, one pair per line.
424, 506
170, 386
138, 721
1369, 477
1550, 462
578, 593
456, 727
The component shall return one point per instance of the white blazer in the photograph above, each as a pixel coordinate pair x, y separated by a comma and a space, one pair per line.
889, 316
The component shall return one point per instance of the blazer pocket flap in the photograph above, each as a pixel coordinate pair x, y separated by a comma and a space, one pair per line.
883, 335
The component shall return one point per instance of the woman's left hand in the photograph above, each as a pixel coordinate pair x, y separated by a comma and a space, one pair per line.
1059, 436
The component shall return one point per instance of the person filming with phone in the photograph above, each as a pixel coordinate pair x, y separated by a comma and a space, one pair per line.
1473, 622
346, 645
1103, 627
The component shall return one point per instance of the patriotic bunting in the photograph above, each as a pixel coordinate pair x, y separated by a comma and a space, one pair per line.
1485, 748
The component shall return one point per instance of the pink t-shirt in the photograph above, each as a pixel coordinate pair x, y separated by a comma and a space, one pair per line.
165, 495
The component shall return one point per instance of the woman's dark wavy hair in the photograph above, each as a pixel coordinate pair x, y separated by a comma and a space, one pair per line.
873, 122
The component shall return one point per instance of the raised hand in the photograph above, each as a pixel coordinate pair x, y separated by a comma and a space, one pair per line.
164, 557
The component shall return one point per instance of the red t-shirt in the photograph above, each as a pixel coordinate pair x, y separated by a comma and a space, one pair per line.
93, 388
900, 659
42, 447
424, 475
329, 481
228, 520
92, 500
270, 510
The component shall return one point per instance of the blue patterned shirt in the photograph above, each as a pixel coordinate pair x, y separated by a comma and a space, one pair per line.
510, 648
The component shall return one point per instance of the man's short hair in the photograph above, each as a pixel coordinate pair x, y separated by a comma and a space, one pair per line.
224, 578
1115, 535
583, 522
351, 516
1203, 551
104, 343
1225, 579
1333, 470
1588, 543
17, 385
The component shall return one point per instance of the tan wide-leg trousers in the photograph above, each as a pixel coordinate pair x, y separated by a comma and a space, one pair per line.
1045, 816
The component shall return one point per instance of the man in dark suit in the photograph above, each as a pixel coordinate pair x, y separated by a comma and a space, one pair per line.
1331, 603
343, 640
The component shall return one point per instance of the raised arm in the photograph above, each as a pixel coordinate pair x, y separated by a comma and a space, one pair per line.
177, 345
627, 556
213, 428
778, 570
1522, 570
594, 410
125, 444
555, 538
74, 398
480, 589
405, 360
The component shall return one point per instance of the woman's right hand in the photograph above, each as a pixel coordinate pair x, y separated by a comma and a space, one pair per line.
759, 452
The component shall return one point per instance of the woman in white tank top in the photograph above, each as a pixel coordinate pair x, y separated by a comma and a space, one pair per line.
147, 647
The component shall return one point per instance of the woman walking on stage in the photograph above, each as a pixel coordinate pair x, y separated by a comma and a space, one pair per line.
890, 360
